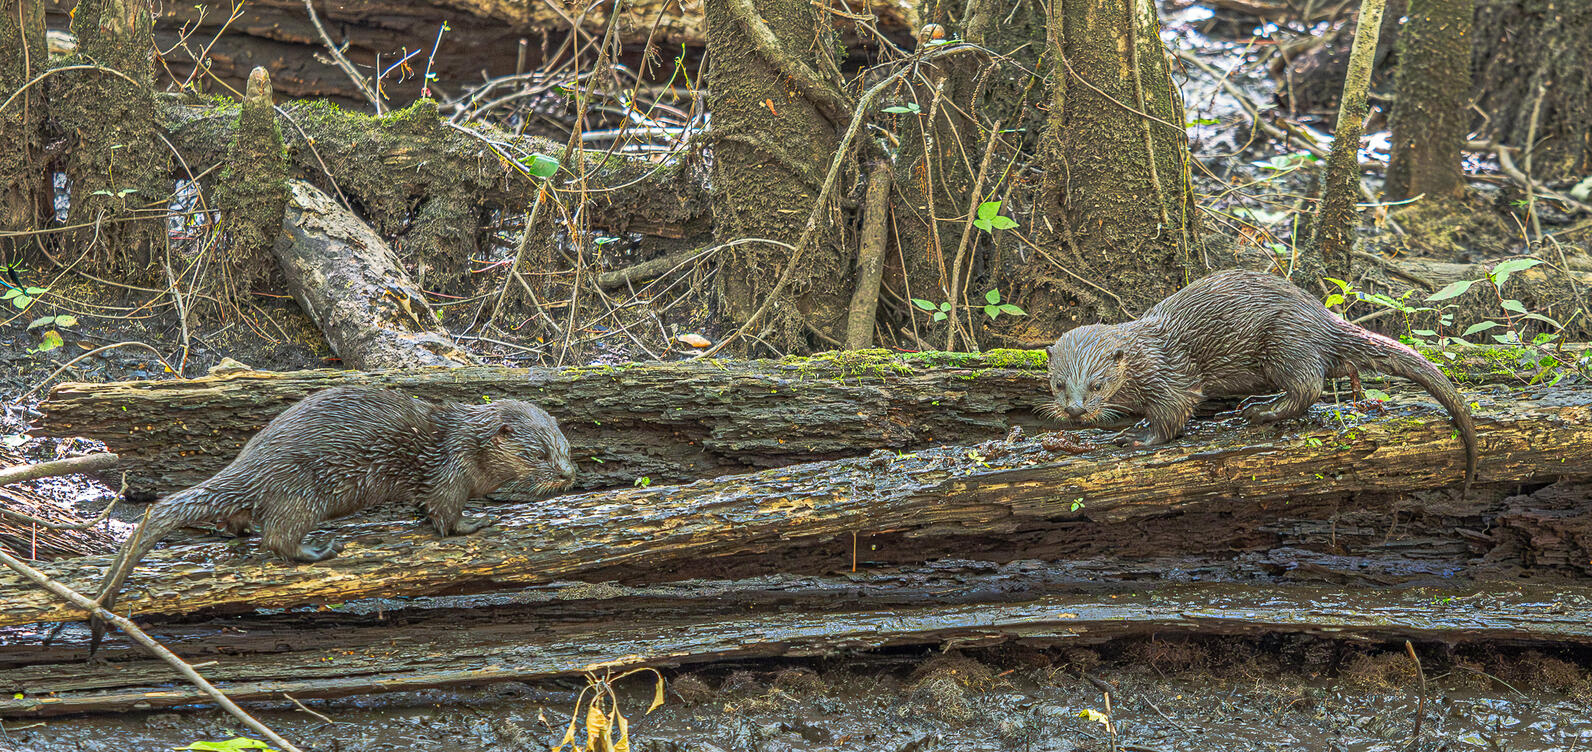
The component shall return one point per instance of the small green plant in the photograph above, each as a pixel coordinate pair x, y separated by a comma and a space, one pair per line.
1077, 504
902, 109
940, 311
994, 307
989, 218
643, 482
22, 297
51, 339
235, 744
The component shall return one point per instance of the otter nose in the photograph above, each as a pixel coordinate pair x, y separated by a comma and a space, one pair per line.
1074, 411
568, 472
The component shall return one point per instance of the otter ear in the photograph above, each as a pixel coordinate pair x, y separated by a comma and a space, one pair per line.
506, 429
1120, 355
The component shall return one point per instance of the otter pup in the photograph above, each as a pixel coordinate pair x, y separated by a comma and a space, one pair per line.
344, 449
1231, 334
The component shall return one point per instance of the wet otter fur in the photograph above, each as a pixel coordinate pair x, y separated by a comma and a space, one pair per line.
1231, 334
348, 448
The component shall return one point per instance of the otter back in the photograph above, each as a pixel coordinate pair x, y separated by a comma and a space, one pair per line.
1231, 334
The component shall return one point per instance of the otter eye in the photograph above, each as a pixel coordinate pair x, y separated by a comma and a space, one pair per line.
1096, 386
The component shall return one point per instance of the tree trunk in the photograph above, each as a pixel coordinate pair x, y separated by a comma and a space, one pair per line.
119, 169
346, 278
251, 197
1432, 113
1533, 56
1337, 222
777, 116
934, 503
959, 100
24, 183
1116, 192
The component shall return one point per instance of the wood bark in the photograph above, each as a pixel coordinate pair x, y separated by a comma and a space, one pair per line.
483, 35
576, 629
24, 186
1340, 187
1432, 113
940, 498
1115, 156
663, 421
352, 285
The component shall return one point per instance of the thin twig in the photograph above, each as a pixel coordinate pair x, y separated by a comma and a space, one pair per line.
1420, 704
95, 351
85, 464
343, 62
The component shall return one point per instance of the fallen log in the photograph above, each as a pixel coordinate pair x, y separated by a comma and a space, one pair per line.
352, 285
948, 494
660, 421
449, 647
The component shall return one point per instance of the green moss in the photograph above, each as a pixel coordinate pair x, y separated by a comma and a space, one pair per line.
879, 362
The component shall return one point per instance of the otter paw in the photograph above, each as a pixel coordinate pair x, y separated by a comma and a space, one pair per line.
468, 525
311, 554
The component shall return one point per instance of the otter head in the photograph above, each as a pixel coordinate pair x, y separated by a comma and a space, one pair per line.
1088, 366
528, 442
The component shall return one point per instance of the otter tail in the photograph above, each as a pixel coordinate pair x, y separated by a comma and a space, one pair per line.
180, 509
1369, 350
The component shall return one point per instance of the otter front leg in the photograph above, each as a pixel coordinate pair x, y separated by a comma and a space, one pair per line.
1164, 420
446, 513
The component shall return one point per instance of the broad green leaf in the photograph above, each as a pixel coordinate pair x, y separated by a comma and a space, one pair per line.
22, 301
1501, 272
1010, 309
945, 306
66, 319
1424, 332
1205, 121
41, 321
940, 316
543, 166
231, 745
1453, 290
1514, 305
924, 304
984, 224
36, 291
1333, 299
1003, 223
1377, 394
11, 293
989, 209
1480, 327
992, 297
992, 311
1344, 286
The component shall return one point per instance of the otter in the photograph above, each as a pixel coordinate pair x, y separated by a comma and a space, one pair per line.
348, 448
1231, 334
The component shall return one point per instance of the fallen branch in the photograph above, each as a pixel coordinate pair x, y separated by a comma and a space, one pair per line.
949, 495
85, 464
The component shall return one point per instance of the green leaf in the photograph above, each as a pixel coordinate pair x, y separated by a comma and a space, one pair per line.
11, 293
22, 301
1424, 332
1480, 327
1344, 286
992, 297
1378, 395
36, 291
1514, 305
1545, 320
1500, 273
946, 306
1205, 121
924, 304
1453, 290
903, 109
989, 209
543, 166
66, 319
984, 224
992, 311
1003, 223
52, 340
940, 316
1333, 299
41, 321
1543, 338
231, 745
1010, 309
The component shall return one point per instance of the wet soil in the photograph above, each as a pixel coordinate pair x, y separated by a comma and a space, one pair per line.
1164, 694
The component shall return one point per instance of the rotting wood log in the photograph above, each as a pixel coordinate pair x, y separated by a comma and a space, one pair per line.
352, 285
409, 651
945, 493
662, 421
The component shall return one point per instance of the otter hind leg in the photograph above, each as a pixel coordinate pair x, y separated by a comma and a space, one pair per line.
1301, 384
283, 535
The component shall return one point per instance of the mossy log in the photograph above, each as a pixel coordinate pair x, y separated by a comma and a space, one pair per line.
351, 283
949, 494
581, 629
662, 421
